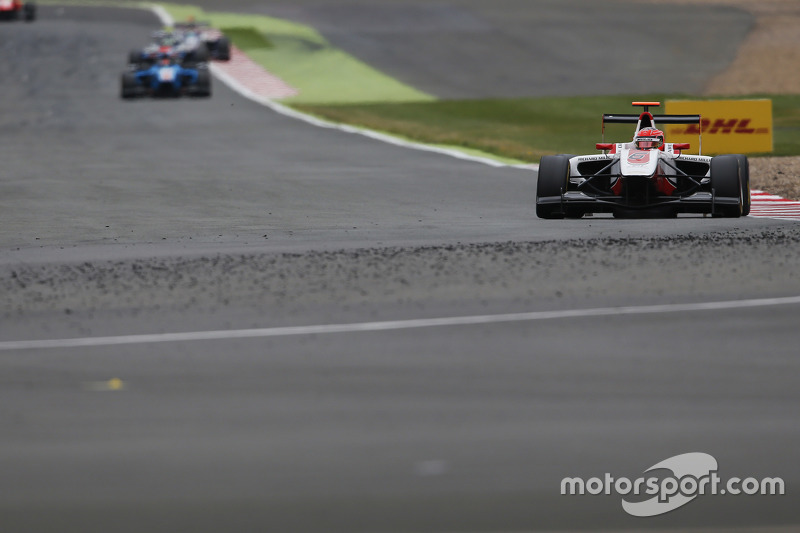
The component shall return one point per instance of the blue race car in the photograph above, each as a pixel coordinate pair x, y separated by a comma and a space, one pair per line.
166, 78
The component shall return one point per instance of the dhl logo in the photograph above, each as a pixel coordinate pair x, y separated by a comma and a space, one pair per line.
749, 132
721, 126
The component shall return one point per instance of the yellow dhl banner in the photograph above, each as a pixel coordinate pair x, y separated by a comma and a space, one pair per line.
728, 126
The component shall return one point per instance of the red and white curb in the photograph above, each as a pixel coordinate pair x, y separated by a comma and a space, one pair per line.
254, 77
765, 205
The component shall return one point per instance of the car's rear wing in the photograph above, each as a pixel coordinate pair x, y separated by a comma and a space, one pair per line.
190, 25
661, 119
647, 120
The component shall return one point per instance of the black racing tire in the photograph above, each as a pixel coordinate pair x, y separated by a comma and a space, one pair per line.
726, 182
203, 88
201, 54
135, 57
29, 11
552, 181
129, 87
223, 49
744, 171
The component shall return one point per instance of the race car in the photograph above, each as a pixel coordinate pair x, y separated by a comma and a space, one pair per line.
217, 44
189, 51
644, 177
166, 78
15, 9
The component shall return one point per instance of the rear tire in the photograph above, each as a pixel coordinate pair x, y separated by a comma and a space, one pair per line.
223, 49
203, 84
727, 182
135, 58
552, 181
201, 54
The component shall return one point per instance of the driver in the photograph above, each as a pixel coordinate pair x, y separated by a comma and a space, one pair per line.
649, 139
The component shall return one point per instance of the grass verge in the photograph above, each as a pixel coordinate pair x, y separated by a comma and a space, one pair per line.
525, 129
247, 39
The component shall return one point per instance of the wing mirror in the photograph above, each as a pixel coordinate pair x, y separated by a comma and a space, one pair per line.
604, 146
681, 146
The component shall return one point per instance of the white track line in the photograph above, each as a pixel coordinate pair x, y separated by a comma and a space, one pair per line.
362, 327
162, 14
245, 88
244, 91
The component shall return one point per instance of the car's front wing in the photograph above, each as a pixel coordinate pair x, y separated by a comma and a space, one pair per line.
699, 202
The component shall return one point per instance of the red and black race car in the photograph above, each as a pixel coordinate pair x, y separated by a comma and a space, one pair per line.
15, 10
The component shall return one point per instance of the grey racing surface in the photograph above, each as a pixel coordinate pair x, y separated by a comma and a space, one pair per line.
524, 48
190, 215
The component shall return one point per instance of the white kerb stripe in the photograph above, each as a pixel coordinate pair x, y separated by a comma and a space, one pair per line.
390, 325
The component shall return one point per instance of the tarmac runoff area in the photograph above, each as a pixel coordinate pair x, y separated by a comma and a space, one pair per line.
152, 217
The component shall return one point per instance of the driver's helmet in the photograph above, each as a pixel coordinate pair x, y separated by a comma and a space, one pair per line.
649, 138
164, 59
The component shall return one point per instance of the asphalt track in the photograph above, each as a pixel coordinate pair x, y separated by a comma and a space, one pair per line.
523, 48
124, 218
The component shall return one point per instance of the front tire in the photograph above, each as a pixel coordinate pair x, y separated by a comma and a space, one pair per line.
129, 87
552, 181
744, 172
203, 84
727, 182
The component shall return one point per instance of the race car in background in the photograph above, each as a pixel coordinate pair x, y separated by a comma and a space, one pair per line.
189, 51
217, 44
645, 177
166, 78
16, 9
189, 42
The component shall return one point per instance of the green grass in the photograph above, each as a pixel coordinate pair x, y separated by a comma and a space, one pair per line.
247, 39
525, 129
